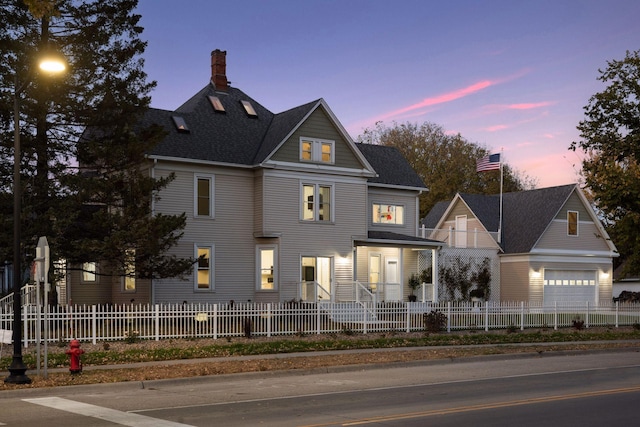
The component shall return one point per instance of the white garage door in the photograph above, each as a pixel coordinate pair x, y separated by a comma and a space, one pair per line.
576, 286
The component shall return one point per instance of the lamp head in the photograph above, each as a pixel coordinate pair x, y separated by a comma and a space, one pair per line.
52, 64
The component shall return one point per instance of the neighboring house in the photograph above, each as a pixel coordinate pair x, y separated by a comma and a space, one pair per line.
279, 207
548, 246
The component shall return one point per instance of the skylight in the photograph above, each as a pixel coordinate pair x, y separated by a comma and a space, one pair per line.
249, 109
180, 124
217, 105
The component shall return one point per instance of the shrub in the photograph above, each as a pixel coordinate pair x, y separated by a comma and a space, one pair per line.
435, 321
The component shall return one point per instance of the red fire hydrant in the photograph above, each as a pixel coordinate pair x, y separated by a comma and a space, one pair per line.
74, 353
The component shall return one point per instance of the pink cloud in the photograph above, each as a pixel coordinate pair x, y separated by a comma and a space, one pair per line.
440, 99
495, 128
529, 106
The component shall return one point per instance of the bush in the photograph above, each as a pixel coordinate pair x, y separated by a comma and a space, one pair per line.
435, 321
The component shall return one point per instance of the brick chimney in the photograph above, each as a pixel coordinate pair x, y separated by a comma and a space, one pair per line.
219, 69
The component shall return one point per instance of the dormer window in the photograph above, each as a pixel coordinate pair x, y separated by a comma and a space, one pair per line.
180, 124
216, 104
249, 109
316, 150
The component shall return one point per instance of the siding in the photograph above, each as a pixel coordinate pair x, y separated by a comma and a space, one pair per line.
318, 125
407, 199
459, 209
281, 212
574, 203
588, 239
514, 281
230, 232
98, 292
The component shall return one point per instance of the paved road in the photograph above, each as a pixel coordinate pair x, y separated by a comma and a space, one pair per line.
560, 390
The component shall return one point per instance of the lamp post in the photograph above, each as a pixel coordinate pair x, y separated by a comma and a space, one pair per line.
17, 370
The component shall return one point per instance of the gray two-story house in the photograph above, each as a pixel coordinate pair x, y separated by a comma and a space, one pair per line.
279, 207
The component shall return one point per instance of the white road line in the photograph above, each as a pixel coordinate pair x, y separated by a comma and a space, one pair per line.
118, 417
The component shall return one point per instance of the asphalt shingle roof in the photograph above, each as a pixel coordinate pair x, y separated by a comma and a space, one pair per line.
391, 166
234, 137
525, 214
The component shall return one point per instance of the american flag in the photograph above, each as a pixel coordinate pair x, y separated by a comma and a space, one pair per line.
488, 163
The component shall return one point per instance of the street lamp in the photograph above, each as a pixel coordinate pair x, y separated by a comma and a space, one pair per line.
17, 370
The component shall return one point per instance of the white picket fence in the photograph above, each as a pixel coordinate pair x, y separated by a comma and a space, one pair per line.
155, 322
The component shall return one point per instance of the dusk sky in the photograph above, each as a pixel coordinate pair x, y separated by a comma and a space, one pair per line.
508, 75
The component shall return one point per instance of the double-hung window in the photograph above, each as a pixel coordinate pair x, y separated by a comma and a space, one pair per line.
204, 273
388, 214
203, 197
267, 257
317, 203
317, 150
89, 272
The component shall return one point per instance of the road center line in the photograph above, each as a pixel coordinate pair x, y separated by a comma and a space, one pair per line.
118, 417
447, 411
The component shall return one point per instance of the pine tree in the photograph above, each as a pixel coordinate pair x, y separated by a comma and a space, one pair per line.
85, 183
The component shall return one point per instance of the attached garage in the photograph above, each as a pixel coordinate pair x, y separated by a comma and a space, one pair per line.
570, 286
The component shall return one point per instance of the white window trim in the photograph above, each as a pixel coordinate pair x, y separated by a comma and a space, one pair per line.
316, 150
396, 224
316, 205
212, 258
577, 224
95, 273
212, 183
259, 249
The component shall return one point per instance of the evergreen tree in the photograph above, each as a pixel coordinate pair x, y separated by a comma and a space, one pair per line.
76, 178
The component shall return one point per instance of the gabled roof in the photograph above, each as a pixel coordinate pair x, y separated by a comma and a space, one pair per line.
392, 167
525, 214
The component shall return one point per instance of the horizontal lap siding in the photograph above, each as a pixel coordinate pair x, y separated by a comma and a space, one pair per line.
318, 125
459, 209
231, 233
282, 212
588, 239
574, 204
514, 281
407, 199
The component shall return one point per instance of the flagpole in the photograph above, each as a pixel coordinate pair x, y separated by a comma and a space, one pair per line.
500, 219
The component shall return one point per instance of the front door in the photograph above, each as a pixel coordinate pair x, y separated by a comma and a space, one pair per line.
318, 270
393, 290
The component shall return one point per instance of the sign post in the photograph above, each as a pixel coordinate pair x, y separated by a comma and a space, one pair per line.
42, 275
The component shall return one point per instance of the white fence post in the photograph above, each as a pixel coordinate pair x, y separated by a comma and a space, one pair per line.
215, 321
156, 321
486, 316
522, 315
318, 318
269, 320
94, 324
617, 306
25, 324
449, 316
408, 317
587, 316
555, 315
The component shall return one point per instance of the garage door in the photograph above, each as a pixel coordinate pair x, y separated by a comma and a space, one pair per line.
576, 286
